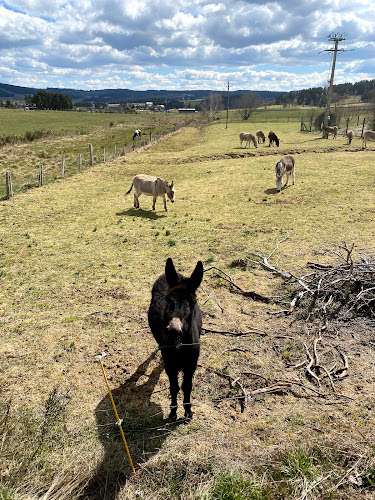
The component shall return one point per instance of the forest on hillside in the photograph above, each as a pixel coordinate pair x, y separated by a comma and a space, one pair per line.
316, 96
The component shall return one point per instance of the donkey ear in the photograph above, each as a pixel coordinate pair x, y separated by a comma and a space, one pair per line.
196, 277
170, 273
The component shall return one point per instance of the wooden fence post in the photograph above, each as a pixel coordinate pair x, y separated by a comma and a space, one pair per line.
40, 182
63, 168
363, 126
8, 179
80, 162
91, 155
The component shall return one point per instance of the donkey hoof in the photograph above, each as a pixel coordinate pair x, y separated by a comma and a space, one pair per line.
188, 414
173, 415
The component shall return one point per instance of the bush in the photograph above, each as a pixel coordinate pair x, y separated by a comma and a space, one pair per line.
320, 119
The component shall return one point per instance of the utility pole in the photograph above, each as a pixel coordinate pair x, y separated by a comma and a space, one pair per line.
334, 37
226, 126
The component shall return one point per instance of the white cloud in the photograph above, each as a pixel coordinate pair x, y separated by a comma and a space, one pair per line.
270, 45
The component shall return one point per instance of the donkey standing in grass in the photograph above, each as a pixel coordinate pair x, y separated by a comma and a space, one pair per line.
152, 186
244, 136
260, 136
349, 135
175, 320
285, 166
272, 137
369, 135
329, 130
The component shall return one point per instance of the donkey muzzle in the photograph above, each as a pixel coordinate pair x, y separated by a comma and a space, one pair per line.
175, 325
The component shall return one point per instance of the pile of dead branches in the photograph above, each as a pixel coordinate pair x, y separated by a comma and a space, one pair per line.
343, 289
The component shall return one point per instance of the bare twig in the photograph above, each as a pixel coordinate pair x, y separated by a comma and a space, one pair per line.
310, 364
234, 334
228, 279
277, 246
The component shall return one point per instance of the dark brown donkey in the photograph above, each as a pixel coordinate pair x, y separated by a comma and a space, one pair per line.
176, 323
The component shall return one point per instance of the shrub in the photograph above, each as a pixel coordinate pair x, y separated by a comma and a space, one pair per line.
320, 119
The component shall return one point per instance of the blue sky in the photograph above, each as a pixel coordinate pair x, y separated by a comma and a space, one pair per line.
184, 44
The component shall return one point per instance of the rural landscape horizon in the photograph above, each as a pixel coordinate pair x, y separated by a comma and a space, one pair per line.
134, 158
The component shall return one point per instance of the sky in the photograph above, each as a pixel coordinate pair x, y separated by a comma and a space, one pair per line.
184, 44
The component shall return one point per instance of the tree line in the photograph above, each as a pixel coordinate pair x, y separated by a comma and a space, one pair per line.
317, 96
49, 100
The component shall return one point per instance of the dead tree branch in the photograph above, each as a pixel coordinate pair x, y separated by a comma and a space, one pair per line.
224, 276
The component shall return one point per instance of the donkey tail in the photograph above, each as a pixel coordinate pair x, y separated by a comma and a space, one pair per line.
131, 187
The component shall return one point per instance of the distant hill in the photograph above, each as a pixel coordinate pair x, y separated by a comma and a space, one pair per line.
313, 96
112, 96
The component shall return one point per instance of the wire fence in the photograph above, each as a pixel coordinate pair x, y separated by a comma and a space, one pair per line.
70, 164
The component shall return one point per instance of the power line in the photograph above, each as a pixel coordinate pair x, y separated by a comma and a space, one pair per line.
337, 38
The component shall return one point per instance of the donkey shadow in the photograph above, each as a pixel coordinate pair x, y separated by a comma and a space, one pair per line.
271, 191
143, 424
138, 212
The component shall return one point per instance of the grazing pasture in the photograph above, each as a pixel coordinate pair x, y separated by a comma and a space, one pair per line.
77, 267
30, 138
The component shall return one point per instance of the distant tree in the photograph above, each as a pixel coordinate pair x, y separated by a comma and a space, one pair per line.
211, 105
28, 100
247, 103
123, 105
51, 100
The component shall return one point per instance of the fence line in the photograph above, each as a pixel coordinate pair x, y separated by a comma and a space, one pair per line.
127, 148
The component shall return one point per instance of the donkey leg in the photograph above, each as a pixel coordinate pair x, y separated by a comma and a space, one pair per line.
173, 389
187, 387
136, 202
153, 202
165, 203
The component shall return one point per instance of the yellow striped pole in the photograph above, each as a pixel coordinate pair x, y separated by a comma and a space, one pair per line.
99, 358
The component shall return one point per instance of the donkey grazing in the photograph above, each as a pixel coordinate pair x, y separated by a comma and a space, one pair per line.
175, 320
272, 137
285, 166
369, 135
248, 138
329, 130
152, 186
260, 136
137, 134
349, 135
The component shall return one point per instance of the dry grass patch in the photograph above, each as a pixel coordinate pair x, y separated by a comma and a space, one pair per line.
78, 263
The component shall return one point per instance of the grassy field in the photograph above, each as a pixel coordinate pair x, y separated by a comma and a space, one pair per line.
77, 266
31, 138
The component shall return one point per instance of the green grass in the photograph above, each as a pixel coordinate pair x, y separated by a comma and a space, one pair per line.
76, 270
68, 135
19, 122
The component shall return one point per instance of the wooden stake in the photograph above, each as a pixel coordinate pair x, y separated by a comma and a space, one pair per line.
8, 179
40, 183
